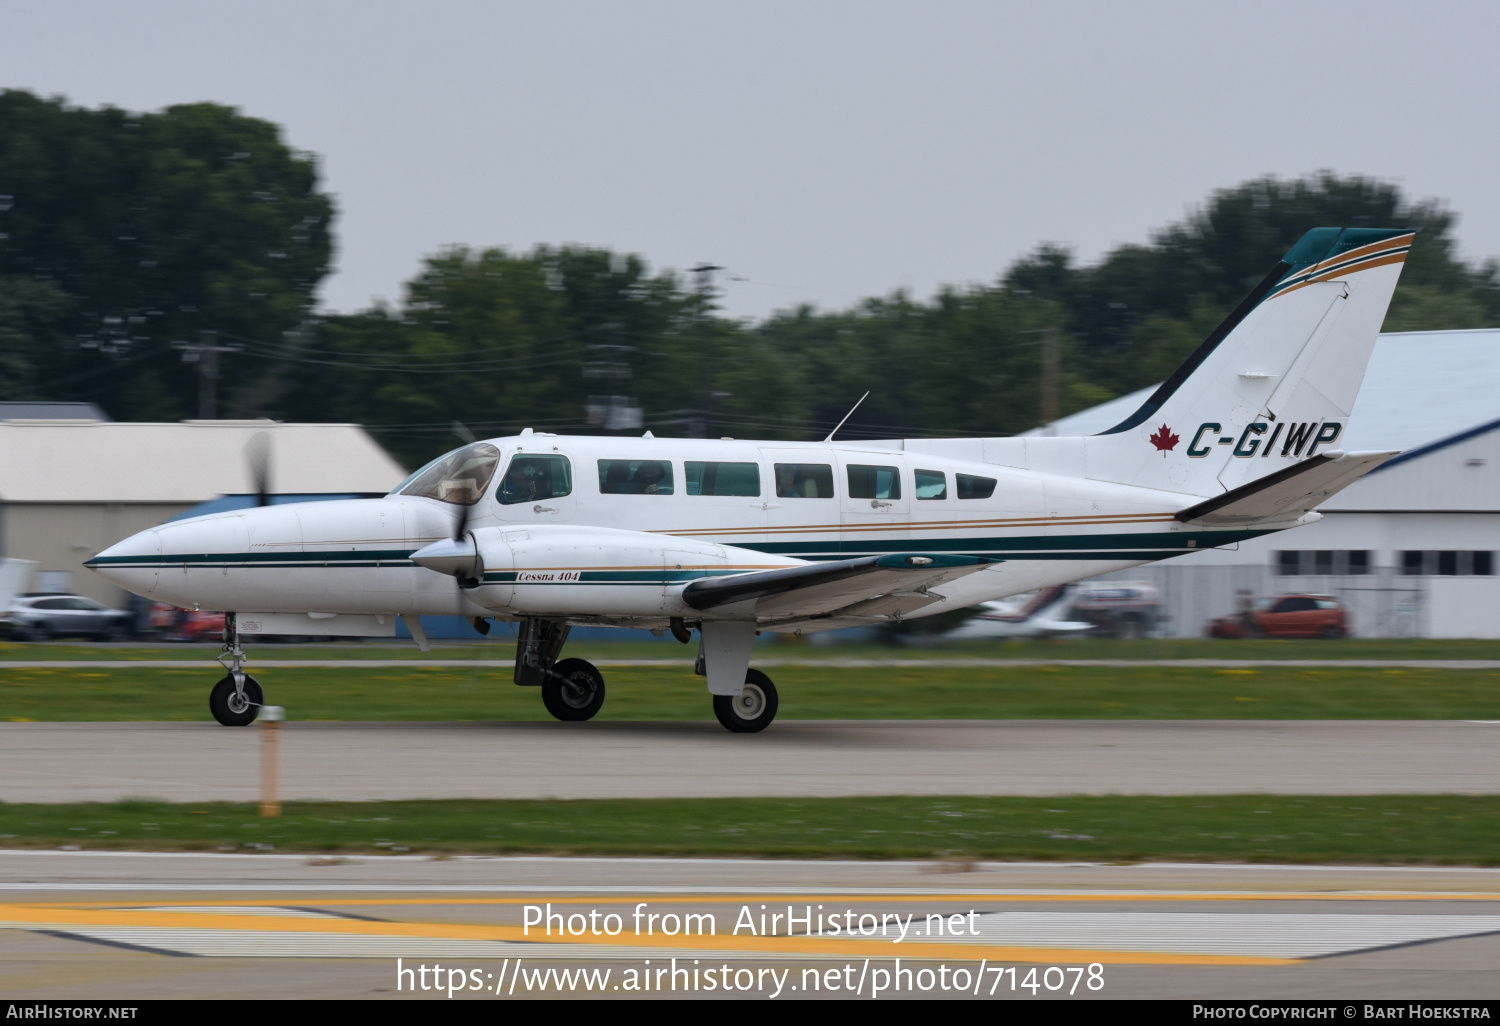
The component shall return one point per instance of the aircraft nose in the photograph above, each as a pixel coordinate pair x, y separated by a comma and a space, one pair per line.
132, 563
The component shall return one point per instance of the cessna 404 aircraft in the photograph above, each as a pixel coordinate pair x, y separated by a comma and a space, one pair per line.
730, 538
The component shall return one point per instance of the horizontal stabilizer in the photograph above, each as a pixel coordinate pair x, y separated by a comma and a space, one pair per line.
1286, 494
820, 589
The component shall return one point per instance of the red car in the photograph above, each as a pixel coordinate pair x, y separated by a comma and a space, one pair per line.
173, 624
1288, 616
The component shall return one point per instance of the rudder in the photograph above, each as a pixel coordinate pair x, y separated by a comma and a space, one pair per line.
1275, 382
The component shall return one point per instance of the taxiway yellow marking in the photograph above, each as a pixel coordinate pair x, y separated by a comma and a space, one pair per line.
55, 918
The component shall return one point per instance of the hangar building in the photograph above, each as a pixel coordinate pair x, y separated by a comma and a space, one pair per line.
72, 482
1411, 548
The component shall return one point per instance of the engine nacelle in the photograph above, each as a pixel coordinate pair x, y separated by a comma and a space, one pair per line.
595, 571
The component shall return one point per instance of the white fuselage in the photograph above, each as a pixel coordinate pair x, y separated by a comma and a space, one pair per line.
610, 551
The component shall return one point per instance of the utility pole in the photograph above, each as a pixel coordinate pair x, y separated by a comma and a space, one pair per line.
703, 276
1050, 374
205, 353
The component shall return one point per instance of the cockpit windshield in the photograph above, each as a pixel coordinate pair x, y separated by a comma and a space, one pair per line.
459, 477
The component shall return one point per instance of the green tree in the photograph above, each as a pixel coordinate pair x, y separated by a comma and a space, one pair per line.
496, 341
191, 224
1143, 308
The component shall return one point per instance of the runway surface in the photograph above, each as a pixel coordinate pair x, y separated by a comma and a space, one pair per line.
67, 762
128, 925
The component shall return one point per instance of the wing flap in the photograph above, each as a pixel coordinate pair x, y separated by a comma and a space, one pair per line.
869, 584
1286, 494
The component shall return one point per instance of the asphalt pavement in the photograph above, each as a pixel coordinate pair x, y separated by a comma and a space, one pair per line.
131, 925
68, 762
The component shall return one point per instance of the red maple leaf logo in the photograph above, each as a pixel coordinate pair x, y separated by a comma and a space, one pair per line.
1164, 439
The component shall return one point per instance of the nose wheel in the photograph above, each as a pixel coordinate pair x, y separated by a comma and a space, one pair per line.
236, 707
236, 700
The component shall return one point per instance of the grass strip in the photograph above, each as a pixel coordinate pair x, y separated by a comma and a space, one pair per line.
1388, 829
807, 692
775, 646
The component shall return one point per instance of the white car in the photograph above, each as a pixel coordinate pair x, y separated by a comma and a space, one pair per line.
41, 617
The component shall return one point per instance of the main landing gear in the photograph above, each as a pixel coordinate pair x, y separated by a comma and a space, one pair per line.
573, 689
750, 711
236, 700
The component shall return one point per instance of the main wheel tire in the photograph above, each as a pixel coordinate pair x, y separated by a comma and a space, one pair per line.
1333, 632
37, 632
573, 691
753, 709
231, 710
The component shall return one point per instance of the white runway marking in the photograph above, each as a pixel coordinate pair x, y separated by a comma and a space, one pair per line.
1250, 935
1264, 935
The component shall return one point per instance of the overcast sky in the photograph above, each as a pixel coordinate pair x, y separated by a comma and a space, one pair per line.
822, 150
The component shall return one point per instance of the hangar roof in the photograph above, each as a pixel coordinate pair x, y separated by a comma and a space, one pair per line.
1420, 387
187, 462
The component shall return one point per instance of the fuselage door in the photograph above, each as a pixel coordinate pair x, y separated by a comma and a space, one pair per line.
538, 486
875, 502
802, 505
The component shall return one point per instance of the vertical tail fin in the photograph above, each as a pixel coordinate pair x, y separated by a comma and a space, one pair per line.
1275, 382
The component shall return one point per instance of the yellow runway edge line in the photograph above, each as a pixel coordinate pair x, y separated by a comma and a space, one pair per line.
58, 917
72, 915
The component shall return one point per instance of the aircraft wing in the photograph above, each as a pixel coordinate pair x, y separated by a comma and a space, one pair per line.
866, 588
1286, 494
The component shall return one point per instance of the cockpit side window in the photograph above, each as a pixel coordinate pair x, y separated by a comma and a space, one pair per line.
534, 478
459, 477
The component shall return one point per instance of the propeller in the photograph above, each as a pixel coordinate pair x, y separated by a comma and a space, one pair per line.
258, 462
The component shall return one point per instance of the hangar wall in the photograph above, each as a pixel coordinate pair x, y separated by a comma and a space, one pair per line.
60, 536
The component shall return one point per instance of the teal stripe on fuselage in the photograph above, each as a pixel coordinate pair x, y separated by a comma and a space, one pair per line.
342, 558
1177, 543
1142, 546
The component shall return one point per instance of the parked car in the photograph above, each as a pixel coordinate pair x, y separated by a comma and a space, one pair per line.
1286, 616
40, 617
1119, 609
173, 624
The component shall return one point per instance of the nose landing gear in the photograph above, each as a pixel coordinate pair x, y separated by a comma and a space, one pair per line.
236, 700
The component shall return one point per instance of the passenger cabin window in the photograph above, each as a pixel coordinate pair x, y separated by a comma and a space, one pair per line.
932, 484
970, 487
874, 482
704, 478
635, 477
804, 481
459, 477
534, 478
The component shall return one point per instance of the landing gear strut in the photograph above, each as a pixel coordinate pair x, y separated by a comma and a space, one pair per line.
573, 689
236, 700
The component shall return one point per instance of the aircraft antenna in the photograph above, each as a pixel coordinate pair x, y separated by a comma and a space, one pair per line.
846, 417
